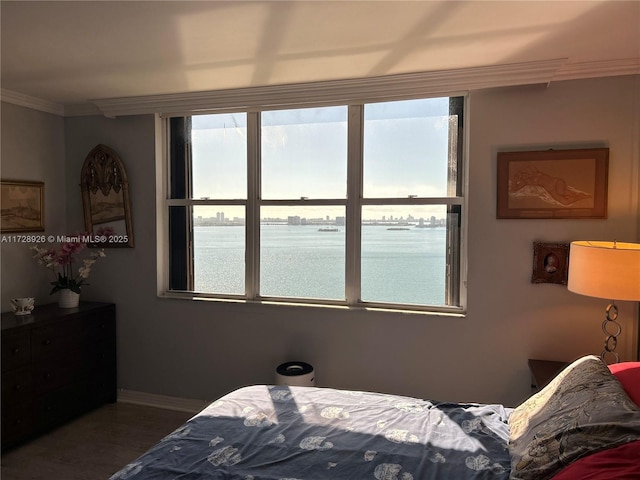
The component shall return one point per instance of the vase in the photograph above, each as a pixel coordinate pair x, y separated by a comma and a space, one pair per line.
68, 299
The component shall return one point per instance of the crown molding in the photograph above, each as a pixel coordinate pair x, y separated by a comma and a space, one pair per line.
81, 110
28, 101
442, 82
337, 91
605, 68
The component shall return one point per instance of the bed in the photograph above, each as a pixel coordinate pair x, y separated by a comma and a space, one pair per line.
267, 432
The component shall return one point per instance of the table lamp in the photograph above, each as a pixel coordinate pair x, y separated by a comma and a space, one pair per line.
609, 270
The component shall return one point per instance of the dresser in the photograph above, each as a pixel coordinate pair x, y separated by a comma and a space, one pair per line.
57, 363
543, 371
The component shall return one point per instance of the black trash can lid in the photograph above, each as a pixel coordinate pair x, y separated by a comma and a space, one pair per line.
292, 369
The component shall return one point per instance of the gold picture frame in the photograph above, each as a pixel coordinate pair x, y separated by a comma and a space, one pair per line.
553, 184
22, 206
550, 263
105, 198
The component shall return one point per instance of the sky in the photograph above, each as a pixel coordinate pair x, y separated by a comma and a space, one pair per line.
304, 152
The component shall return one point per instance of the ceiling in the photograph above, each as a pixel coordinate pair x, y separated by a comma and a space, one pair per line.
71, 52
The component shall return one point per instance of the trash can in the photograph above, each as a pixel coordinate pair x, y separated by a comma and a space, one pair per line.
299, 374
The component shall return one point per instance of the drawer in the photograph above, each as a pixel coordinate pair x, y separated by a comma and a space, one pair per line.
55, 340
58, 406
17, 386
99, 355
48, 376
15, 350
17, 424
72, 365
100, 327
101, 387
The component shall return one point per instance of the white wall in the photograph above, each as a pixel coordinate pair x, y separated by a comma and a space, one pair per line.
32, 149
200, 349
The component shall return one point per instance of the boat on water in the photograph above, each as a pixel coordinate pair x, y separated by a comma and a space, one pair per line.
329, 229
398, 228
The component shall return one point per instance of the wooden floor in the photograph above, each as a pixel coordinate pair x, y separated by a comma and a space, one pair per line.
92, 447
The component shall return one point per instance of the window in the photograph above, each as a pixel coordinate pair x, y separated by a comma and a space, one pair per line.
356, 205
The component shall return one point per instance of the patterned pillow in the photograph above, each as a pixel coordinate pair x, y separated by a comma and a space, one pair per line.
582, 411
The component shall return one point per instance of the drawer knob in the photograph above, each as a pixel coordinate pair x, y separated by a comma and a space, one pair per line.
17, 387
47, 342
16, 351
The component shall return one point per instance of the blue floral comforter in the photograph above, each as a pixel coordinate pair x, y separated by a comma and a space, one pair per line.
307, 433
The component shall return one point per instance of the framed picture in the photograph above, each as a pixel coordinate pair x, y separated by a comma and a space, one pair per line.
22, 206
553, 184
550, 263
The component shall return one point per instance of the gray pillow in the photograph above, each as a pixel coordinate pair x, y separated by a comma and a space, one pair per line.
582, 411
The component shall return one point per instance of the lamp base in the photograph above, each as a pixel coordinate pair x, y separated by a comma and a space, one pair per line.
611, 339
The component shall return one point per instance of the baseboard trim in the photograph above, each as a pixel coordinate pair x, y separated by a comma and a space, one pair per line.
161, 401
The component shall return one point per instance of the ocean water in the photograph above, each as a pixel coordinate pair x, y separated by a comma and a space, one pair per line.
398, 266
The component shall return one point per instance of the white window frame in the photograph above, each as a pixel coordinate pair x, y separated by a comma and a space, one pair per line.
368, 93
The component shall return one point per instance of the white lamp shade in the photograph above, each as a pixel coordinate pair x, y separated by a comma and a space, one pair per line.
605, 270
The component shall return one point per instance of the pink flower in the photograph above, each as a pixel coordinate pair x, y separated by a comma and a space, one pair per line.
60, 262
63, 259
71, 248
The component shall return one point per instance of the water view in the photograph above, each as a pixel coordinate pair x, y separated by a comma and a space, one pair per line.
400, 264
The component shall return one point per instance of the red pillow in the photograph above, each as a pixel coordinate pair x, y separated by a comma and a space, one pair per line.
620, 463
628, 374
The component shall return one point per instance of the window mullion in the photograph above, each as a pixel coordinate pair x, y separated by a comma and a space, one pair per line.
252, 228
413, 201
354, 207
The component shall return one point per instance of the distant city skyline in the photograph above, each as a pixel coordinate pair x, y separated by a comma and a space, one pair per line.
222, 219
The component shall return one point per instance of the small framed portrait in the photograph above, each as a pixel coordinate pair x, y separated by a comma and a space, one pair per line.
550, 263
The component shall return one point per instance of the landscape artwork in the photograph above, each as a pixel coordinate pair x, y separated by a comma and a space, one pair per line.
553, 184
22, 206
107, 208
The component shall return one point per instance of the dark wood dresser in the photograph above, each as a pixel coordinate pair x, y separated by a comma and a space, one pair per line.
543, 371
57, 363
